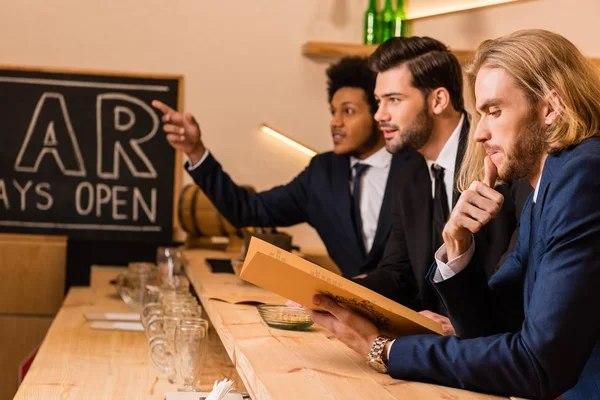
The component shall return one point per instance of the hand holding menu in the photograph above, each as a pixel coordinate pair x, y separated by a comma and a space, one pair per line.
297, 279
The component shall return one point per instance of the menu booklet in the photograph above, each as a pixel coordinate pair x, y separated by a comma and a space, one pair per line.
297, 279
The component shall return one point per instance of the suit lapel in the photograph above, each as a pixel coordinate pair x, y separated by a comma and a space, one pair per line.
462, 146
417, 212
532, 218
342, 200
525, 254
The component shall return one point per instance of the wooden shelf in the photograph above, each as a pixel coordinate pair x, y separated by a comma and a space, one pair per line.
335, 50
326, 49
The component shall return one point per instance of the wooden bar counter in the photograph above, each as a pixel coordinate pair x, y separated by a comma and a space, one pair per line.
279, 364
76, 362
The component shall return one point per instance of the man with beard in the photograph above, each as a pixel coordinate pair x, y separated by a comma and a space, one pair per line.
344, 194
538, 117
419, 90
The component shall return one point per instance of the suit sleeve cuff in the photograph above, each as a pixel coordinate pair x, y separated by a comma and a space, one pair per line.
193, 167
447, 269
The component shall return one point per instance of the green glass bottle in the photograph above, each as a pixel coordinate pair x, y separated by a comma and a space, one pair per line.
378, 27
370, 34
387, 21
399, 19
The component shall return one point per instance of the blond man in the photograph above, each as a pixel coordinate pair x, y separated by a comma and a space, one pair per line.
538, 117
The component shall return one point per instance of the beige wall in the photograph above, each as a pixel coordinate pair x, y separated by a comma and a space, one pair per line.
242, 62
575, 19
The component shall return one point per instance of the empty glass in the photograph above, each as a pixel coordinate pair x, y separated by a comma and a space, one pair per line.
131, 285
171, 306
191, 337
167, 356
170, 261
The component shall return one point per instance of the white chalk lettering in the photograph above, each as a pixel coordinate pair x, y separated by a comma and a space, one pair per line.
120, 126
22, 191
50, 139
49, 122
3, 195
139, 199
116, 202
46, 194
102, 197
120, 147
90, 198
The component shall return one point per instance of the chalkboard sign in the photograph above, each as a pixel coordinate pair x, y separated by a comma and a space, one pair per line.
84, 155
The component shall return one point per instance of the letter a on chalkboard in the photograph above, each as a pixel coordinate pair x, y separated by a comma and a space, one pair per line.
50, 132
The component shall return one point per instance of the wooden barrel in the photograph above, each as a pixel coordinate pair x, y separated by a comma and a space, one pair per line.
199, 217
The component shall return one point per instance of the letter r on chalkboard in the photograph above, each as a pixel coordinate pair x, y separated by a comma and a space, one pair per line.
116, 114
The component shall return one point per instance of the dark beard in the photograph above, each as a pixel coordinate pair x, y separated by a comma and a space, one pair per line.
526, 153
415, 136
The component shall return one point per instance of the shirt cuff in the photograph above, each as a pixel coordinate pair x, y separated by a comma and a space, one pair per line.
389, 350
193, 167
447, 269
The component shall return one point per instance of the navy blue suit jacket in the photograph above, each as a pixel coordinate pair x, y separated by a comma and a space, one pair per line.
553, 275
320, 196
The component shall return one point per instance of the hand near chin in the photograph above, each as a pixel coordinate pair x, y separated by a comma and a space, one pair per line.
475, 209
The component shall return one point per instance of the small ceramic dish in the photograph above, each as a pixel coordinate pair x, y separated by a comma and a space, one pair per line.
284, 317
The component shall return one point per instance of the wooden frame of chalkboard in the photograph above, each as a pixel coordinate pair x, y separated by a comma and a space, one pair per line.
84, 155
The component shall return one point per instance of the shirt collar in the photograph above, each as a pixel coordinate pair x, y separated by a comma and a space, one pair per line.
380, 159
537, 189
447, 157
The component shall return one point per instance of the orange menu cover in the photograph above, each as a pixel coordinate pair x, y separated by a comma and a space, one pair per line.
297, 279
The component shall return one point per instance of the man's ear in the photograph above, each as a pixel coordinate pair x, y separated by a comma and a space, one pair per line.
439, 100
552, 107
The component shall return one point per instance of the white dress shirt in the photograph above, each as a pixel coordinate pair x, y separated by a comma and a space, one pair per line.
372, 189
447, 160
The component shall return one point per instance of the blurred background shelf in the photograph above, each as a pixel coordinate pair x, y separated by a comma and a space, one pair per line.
334, 50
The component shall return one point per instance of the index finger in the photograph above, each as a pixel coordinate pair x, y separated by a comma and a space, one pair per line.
165, 109
490, 172
489, 193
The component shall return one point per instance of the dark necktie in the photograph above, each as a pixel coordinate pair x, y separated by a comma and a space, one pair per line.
440, 207
359, 169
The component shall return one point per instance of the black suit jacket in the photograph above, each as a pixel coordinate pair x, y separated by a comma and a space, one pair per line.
320, 196
408, 255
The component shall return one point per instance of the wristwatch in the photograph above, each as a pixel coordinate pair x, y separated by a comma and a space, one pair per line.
375, 358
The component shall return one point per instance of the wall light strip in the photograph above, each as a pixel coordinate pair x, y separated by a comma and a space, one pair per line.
285, 139
454, 8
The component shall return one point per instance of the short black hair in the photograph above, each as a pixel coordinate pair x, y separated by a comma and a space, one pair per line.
352, 72
430, 62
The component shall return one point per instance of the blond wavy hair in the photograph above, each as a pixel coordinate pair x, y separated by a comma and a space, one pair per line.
540, 62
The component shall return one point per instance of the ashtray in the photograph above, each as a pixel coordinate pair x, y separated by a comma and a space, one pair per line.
285, 317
